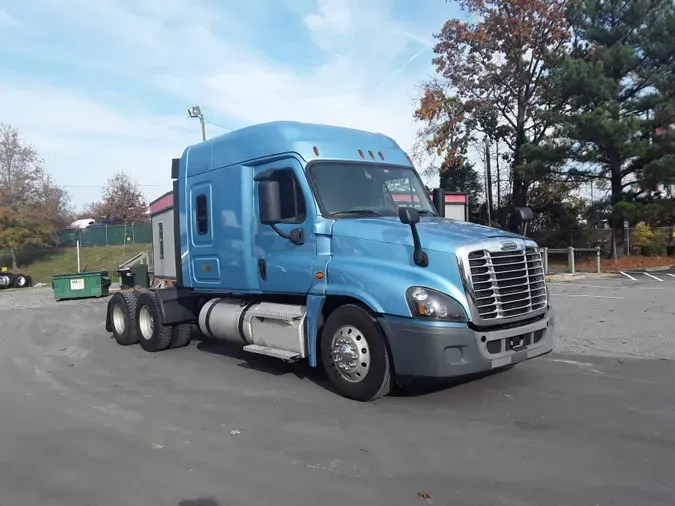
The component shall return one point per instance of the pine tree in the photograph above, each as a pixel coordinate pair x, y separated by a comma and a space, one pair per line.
619, 71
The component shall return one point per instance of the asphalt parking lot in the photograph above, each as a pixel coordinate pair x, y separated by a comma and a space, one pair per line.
658, 275
85, 421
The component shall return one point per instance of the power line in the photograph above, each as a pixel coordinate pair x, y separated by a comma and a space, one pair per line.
104, 186
218, 125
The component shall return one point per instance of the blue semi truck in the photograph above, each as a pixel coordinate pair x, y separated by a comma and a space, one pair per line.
286, 240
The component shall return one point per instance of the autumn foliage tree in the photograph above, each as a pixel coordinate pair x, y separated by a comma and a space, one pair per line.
122, 202
492, 80
32, 206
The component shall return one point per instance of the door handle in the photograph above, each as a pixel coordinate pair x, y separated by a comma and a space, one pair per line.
262, 268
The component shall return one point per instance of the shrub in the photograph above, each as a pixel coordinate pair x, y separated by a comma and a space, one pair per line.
649, 241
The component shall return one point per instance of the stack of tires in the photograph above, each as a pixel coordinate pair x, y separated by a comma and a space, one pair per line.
135, 317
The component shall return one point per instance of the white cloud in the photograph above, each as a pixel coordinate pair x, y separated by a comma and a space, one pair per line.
179, 47
333, 17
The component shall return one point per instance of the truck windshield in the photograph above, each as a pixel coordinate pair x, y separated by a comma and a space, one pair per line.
367, 189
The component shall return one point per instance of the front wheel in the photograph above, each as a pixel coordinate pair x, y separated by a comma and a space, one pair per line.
354, 354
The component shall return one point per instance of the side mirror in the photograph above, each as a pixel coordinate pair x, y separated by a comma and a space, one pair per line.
408, 215
411, 216
269, 202
520, 217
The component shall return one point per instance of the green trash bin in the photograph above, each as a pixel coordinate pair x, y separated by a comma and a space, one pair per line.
140, 274
82, 285
135, 276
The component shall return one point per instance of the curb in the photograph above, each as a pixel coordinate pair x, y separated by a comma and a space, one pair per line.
654, 269
551, 278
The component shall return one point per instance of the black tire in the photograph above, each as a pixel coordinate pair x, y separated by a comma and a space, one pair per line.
152, 335
377, 381
125, 331
20, 281
180, 335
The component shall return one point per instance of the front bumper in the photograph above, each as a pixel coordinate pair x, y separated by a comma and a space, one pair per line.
441, 350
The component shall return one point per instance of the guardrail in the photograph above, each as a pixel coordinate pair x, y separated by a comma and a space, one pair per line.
570, 251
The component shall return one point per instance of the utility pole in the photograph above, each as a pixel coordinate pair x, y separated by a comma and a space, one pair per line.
488, 178
196, 112
499, 177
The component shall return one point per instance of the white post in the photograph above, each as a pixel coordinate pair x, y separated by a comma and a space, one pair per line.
597, 257
78, 256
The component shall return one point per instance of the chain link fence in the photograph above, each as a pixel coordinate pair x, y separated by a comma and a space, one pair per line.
116, 235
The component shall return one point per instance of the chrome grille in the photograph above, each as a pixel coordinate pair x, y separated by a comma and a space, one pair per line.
507, 283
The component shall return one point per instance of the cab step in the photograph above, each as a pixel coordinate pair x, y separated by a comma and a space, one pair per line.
287, 356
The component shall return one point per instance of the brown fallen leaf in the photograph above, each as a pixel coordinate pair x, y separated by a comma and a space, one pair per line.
424, 495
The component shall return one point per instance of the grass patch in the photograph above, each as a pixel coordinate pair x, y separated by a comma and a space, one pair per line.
42, 264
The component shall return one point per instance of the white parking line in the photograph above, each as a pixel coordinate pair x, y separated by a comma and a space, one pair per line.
628, 275
647, 274
592, 296
586, 295
671, 275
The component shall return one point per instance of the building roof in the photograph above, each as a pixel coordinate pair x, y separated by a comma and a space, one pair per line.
161, 203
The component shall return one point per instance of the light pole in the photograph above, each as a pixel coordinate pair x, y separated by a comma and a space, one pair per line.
196, 112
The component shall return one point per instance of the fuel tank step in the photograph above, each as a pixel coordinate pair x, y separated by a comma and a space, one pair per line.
288, 356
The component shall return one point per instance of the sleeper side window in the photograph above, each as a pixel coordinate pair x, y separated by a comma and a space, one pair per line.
293, 205
202, 215
160, 234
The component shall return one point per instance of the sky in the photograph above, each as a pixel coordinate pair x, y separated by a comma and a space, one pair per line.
99, 86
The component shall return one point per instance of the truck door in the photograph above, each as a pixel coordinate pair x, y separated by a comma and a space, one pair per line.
285, 267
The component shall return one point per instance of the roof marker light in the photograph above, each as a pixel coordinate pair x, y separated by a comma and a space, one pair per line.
409, 159
381, 155
371, 154
316, 151
361, 153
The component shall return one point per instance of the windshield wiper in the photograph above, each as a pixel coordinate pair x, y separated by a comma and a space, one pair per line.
356, 212
424, 211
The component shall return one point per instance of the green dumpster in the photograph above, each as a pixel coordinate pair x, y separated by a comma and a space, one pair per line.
135, 276
82, 285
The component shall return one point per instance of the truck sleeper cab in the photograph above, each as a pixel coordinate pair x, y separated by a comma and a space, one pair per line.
289, 241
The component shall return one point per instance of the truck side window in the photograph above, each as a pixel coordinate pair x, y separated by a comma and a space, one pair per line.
293, 206
202, 215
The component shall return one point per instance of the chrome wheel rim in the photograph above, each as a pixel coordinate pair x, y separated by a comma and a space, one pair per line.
118, 319
350, 354
146, 322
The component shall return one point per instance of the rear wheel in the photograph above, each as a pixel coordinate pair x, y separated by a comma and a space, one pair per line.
354, 354
180, 335
123, 314
152, 335
20, 281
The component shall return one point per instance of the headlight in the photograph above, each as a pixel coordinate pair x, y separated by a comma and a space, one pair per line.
433, 305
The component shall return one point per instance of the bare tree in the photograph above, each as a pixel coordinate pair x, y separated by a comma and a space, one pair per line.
122, 202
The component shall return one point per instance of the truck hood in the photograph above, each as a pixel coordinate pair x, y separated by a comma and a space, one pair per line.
439, 234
